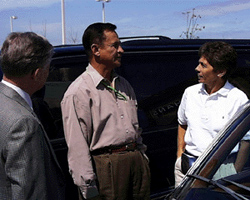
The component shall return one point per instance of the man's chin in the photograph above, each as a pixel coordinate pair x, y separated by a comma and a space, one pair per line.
118, 64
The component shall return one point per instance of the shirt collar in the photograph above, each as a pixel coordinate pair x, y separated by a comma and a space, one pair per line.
96, 77
223, 91
21, 92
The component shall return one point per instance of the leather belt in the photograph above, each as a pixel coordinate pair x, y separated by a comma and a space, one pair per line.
115, 149
190, 154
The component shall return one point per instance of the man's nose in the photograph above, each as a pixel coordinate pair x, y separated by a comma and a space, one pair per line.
197, 69
120, 49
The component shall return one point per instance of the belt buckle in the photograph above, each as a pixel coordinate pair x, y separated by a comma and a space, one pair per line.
130, 147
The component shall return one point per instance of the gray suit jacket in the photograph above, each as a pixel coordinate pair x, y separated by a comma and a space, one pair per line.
28, 166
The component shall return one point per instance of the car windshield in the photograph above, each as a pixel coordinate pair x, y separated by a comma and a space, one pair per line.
237, 161
233, 175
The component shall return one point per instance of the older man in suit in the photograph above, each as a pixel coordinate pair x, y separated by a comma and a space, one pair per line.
28, 166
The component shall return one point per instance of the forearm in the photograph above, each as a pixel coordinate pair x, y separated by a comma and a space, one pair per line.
180, 140
243, 155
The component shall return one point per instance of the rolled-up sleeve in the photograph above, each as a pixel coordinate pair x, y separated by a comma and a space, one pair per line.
77, 125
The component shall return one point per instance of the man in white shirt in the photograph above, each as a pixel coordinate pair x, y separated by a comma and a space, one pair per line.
207, 106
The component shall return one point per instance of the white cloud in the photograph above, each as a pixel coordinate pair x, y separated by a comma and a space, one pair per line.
50, 27
237, 6
12, 4
123, 20
52, 31
223, 8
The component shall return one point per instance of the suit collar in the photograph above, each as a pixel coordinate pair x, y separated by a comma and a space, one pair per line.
21, 92
13, 95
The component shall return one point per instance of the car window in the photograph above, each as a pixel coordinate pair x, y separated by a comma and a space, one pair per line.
223, 171
237, 161
57, 83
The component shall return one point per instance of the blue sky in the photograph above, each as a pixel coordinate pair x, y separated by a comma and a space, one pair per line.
222, 19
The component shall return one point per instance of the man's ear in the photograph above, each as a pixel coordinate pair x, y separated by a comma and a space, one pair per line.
35, 75
222, 73
95, 50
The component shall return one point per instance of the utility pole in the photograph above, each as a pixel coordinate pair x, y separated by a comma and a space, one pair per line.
63, 22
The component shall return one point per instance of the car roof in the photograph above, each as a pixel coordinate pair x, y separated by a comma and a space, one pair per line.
146, 43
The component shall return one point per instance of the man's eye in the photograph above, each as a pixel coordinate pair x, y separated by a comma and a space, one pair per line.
116, 45
203, 65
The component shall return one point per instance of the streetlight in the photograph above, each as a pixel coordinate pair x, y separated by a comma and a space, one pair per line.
11, 23
103, 8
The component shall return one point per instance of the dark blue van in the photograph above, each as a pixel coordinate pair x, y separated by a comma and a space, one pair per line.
159, 69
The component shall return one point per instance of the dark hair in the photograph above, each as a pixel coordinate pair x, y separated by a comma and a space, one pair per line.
23, 53
221, 55
94, 35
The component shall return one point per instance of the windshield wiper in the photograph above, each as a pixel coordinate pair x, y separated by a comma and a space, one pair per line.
215, 183
237, 184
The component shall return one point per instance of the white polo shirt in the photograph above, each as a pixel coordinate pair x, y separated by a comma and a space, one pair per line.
205, 115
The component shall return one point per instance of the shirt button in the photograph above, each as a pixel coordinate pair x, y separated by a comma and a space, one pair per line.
126, 131
122, 116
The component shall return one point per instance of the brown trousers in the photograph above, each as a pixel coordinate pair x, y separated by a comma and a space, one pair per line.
123, 176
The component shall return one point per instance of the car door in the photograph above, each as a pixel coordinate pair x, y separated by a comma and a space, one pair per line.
223, 170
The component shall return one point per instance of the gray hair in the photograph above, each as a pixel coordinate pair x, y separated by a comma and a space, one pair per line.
23, 53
